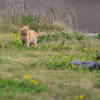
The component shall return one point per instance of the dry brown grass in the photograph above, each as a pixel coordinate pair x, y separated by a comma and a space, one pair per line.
8, 27
14, 13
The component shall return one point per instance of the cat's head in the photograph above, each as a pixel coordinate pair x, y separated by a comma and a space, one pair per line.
24, 29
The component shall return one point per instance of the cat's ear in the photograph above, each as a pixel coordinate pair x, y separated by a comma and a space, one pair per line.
21, 26
27, 25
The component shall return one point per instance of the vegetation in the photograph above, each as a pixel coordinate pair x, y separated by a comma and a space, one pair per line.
44, 72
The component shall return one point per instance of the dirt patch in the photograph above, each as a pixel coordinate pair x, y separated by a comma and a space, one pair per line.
30, 52
18, 59
36, 53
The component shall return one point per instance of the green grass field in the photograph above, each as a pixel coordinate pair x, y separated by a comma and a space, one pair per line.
44, 72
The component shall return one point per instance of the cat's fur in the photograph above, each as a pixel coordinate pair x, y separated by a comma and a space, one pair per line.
28, 36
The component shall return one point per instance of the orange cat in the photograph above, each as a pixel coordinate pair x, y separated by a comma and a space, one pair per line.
28, 36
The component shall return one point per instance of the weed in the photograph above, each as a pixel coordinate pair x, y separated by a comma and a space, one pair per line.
78, 36
98, 35
31, 55
57, 46
22, 86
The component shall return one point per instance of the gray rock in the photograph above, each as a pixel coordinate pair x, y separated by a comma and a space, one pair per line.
86, 64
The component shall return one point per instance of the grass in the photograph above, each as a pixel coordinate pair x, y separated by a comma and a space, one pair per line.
49, 64
44, 72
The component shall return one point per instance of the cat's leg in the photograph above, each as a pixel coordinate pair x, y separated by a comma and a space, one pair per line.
22, 43
27, 41
30, 44
35, 43
27, 44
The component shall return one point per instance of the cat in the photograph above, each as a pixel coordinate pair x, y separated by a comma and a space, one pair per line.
28, 36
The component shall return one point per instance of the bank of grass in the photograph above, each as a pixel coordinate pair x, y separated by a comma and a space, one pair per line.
48, 65
44, 72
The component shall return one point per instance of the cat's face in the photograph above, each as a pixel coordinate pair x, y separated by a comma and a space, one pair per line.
24, 29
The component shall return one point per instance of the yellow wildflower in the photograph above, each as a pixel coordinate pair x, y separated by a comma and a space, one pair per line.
32, 81
52, 56
82, 59
36, 83
81, 96
68, 67
47, 63
92, 50
27, 76
76, 97
10, 75
79, 45
74, 66
66, 56
57, 54
48, 58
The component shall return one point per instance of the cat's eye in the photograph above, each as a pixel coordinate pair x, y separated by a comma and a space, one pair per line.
25, 29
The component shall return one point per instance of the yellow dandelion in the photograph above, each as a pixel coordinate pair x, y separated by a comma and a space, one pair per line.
68, 67
36, 83
48, 58
65, 56
76, 97
72, 65
82, 59
92, 50
79, 45
81, 96
27, 76
9, 75
32, 81
47, 63
55, 38
57, 54
52, 56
